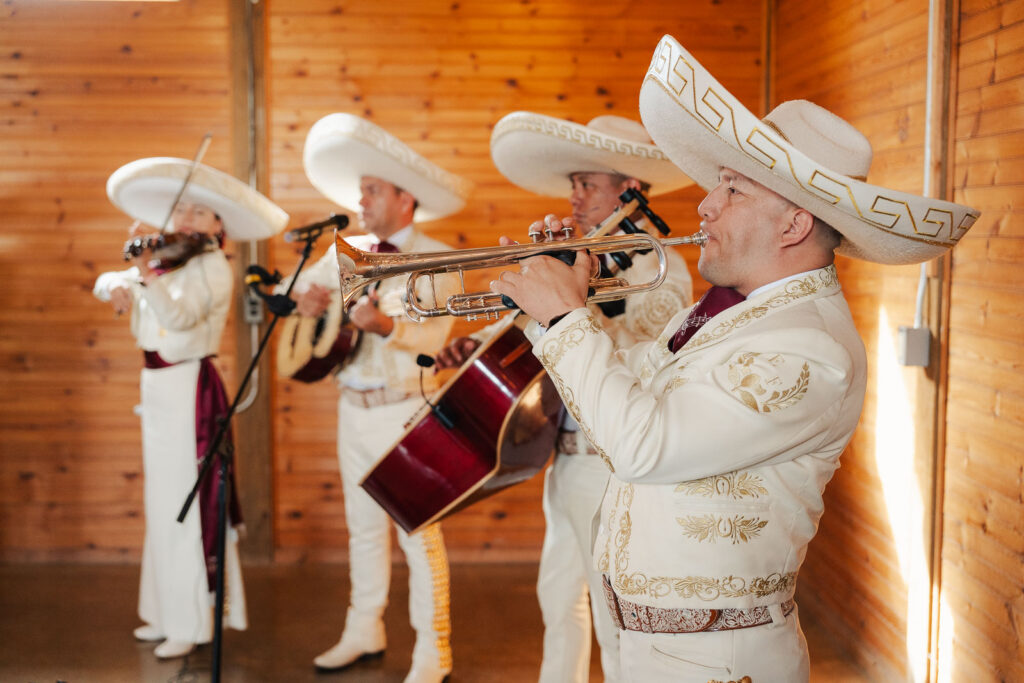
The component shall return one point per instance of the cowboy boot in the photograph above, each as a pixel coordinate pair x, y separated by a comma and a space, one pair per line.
362, 638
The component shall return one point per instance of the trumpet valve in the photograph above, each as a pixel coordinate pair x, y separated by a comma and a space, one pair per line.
534, 234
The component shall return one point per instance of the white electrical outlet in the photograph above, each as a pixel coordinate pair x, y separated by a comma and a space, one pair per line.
915, 345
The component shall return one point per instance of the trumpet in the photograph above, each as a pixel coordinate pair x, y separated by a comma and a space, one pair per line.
359, 269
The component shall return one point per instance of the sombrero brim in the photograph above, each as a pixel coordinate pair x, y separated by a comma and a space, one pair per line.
145, 190
538, 152
702, 128
342, 148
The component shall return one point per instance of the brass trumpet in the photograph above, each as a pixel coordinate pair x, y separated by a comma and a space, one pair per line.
359, 269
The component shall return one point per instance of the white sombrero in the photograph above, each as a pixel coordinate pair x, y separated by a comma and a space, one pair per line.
538, 153
146, 188
801, 151
342, 148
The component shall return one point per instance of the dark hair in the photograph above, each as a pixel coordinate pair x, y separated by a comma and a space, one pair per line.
827, 236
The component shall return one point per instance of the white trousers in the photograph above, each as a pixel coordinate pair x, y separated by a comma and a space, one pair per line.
775, 653
174, 596
364, 436
573, 489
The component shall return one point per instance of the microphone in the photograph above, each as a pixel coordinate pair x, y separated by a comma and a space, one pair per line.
313, 230
425, 361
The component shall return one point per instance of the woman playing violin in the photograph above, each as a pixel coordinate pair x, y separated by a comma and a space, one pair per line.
179, 305
178, 293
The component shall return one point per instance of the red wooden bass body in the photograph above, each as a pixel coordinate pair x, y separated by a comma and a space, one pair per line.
503, 412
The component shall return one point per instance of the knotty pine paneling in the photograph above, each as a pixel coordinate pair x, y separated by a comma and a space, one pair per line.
137, 80
439, 75
867, 63
982, 592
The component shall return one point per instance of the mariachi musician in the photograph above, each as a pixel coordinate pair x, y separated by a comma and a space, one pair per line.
592, 164
178, 293
723, 432
361, 167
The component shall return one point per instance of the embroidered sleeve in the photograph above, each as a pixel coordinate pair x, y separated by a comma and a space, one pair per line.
785, 394
766, 383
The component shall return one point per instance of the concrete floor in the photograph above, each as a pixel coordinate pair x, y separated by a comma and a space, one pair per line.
73, 623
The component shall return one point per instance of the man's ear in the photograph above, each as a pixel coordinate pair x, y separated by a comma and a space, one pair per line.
630, 184
408, 202
798, 228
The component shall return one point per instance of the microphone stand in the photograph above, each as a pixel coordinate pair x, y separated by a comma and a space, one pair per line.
280, 305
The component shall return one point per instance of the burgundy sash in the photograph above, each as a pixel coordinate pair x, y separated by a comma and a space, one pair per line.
211, 404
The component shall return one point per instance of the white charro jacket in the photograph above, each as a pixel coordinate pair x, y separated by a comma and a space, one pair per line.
391, 361
721, 451
182, 313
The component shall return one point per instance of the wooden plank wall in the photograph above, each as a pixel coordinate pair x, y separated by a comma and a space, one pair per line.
981, 624
867, 63
148, 79
136, 80
439, 75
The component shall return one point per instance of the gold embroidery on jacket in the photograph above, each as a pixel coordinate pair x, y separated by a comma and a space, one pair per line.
706, 588
710, 588
675, 383
745, 679
552, 352
648, 314
791, 291
735, 485
750, 386
711, 528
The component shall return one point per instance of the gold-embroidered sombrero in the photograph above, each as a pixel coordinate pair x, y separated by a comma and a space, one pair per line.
145, 189
538, 152
342, 148
801, 151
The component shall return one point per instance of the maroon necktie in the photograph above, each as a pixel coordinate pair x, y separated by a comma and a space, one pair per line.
383, 247
714, 301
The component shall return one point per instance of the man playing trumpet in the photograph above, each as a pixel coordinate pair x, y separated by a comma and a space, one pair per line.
722, 433
554, 157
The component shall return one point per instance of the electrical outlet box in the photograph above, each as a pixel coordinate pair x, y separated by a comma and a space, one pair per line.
915, 346
253, 309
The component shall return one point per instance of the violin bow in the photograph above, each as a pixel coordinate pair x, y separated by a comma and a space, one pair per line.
200, 153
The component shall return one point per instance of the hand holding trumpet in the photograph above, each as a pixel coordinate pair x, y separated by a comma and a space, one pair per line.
545, 288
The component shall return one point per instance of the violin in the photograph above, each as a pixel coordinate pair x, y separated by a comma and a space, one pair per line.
169, 250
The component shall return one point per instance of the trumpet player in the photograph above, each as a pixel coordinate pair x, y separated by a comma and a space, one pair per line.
592, 165
722, 433
363, 168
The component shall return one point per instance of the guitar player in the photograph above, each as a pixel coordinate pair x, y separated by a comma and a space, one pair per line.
364, 169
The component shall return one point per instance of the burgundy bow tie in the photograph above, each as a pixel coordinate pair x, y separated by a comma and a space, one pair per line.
383, 247
714, 301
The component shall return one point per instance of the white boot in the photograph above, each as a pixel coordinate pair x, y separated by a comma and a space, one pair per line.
425, 673
148, 634
362, 638
169, 649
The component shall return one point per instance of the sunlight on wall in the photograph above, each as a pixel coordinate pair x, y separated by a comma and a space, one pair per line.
894, 457
945, 644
